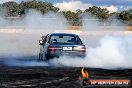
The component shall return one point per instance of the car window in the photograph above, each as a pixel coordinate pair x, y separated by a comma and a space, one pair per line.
64, 39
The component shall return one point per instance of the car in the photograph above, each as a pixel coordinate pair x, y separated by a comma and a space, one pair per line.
61, 44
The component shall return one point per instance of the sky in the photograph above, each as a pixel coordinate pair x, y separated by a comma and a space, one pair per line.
73, 5
99, 2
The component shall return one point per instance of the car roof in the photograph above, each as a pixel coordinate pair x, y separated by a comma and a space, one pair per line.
62, 34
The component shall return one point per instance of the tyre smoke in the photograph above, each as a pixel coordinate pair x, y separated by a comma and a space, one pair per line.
104, 48
113, 52
103, 51
92, 23
19, 36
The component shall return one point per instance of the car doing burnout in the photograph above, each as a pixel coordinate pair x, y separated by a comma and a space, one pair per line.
59, 44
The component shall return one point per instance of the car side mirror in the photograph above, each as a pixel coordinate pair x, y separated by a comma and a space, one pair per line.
41, 42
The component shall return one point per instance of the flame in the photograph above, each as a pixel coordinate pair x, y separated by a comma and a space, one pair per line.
84, 73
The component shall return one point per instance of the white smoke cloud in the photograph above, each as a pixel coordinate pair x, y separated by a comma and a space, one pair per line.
47, 21
27, 30
91, 23
19, 36
113, 52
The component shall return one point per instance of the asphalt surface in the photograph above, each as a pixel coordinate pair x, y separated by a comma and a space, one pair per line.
53, 77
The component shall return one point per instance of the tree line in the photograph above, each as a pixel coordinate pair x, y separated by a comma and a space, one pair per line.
13, 9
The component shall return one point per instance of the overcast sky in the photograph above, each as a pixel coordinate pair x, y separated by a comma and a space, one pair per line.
73, 5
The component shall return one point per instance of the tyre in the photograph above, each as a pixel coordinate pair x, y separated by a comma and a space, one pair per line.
47, 57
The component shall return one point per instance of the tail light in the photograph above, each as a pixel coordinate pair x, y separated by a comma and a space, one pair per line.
80, 48
52, 48
83, 49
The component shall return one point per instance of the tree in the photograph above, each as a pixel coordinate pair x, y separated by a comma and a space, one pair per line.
12, 8
72, 17
126, 16
98, 12
39, 5
15, 9
79, 12
18, 9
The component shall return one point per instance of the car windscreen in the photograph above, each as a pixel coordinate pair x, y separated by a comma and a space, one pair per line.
65, 39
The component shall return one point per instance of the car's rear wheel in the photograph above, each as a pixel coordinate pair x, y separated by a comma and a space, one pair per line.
47, 57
